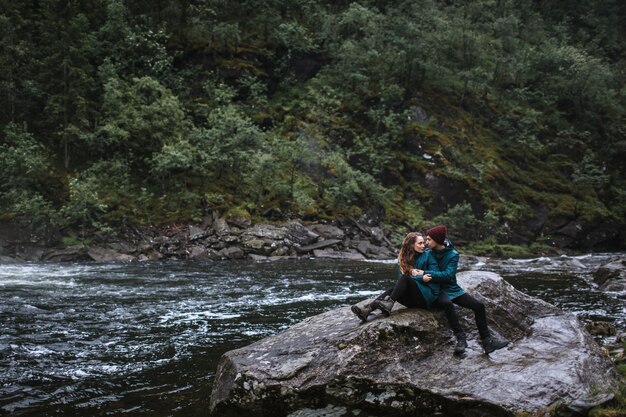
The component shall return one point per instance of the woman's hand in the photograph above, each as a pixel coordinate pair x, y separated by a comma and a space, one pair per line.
427, 277
418, 272
414, 272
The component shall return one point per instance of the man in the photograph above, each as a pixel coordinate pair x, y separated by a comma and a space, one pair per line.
448, 259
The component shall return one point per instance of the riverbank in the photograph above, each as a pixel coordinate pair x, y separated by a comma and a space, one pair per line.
233, 238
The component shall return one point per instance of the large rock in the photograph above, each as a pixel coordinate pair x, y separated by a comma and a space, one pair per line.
612, 277
105, 255
403, 365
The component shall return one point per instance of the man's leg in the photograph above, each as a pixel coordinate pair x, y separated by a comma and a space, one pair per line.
480, 315
443, 301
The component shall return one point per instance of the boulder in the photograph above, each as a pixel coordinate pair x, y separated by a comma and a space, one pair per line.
300, 234
318, 245
327, 231
335, 254
231, 252
330, 364
69, 254
196, 233
612, 276
99, 254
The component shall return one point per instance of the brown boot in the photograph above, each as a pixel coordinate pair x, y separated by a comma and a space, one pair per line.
362, 312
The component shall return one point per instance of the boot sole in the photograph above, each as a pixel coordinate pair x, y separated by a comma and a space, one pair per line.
494, 348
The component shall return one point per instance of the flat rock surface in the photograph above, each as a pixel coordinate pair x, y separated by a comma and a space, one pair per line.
332, 365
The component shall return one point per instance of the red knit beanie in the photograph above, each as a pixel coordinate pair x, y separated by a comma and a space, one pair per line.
438, 234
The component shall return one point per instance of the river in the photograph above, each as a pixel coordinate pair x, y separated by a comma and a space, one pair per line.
144, 339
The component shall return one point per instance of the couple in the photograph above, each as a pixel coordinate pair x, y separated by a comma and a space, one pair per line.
426, 279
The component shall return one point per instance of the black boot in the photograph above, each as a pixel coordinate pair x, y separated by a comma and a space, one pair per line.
461, 343
491, 343
385, 306
362, 312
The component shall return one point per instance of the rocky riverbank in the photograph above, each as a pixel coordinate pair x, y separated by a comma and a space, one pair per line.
216, 238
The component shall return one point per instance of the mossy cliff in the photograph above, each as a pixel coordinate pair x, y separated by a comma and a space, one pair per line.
501, 119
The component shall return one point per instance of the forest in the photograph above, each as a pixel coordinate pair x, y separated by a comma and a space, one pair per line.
504, 119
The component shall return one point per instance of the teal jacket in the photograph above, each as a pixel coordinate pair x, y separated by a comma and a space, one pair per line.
445, 275
430, 290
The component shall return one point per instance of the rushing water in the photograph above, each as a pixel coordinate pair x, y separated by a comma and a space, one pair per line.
144, 339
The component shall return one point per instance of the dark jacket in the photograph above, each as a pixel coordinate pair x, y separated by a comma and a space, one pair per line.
430, 290
445, 275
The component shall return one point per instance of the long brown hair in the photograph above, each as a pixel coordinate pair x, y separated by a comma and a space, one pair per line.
406, 258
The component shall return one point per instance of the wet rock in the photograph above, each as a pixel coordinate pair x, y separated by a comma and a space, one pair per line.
300, 234
280, 251
267, 231
124, 247
196, 233
240, 222
403, 365
319, 245
100, 254
327, 231
220, 227
254, 244
612, 276
201, 253
7, 260
373, 251
69, 254
334, 254
231, 252
31, 253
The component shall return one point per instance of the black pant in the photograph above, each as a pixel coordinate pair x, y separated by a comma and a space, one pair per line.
466, 301
406, 292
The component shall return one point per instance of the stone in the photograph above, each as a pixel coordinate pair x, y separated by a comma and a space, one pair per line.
373, 251
267, 231
196, 233
403, 364
69, 254
103, 255
241, 222
334, 254
327, 231
231, 252
256, 244
318, 245
32, 253
612, 276
201, 253
221, 227
300, 234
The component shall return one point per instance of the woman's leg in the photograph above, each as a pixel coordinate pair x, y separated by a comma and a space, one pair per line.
407, 293
364, 312
480, 315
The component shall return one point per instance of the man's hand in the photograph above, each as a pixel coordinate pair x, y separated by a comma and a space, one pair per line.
427, 277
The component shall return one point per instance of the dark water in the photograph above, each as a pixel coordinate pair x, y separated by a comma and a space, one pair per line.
144, 339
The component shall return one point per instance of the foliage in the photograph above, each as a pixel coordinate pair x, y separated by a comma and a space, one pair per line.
145, 112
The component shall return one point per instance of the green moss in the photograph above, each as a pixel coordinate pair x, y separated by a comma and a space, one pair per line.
489, 247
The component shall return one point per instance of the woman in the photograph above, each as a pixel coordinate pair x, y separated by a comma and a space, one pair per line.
410, 290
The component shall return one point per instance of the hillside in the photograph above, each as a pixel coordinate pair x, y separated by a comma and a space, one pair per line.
503, 119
